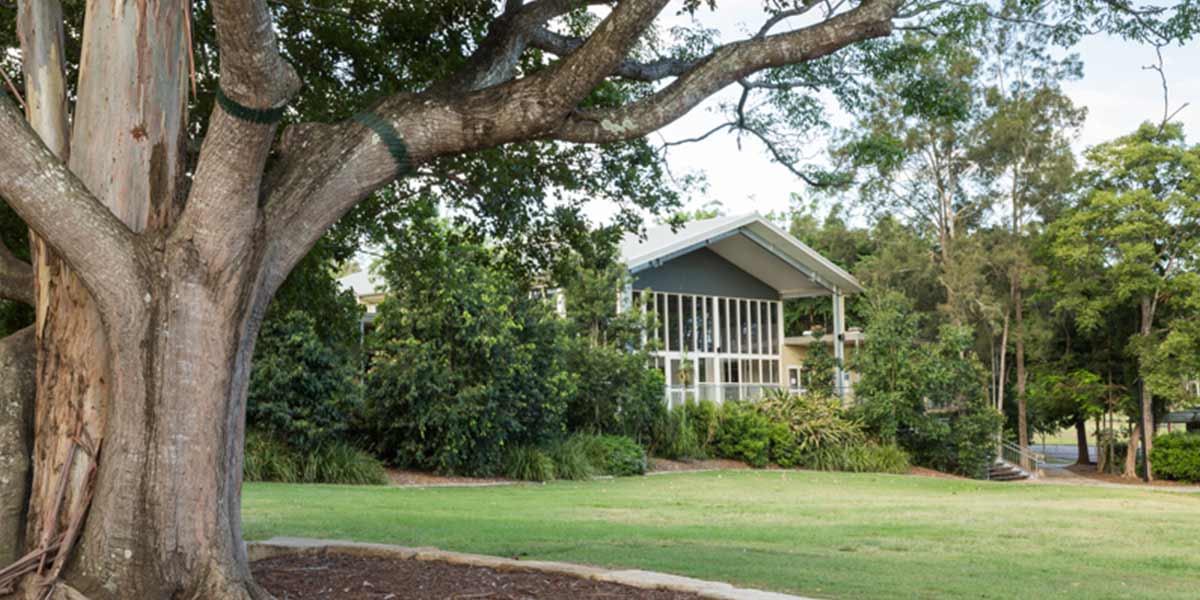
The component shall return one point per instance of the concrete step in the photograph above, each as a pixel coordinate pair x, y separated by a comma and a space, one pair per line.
1005, 471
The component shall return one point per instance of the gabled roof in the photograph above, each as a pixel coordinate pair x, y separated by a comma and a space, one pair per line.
750, 242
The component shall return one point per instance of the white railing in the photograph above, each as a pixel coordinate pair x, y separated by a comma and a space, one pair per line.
718, 392
1032, 462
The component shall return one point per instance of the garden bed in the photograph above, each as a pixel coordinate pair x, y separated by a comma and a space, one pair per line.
328, 576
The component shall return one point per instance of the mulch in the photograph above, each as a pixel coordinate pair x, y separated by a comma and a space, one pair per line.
924, 472
1090, 472
663, 465
401, 477
343, 576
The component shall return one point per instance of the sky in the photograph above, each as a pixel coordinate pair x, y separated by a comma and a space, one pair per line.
1117, 90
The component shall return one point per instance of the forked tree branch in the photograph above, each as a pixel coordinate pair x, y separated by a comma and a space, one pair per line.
56, 205
725, 66
325, 170
495, 61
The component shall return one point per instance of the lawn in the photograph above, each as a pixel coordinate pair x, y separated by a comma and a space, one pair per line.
828, 535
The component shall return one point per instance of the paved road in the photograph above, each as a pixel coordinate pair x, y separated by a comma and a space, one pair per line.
1062, 453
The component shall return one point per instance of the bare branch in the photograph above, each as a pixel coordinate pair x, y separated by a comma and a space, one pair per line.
1162, 75
16, 277
56, 205
656, 70
727, 65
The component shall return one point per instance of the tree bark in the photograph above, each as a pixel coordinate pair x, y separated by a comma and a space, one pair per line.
1130, 471
1019, 359
16, 438
1081, 441
1144, 395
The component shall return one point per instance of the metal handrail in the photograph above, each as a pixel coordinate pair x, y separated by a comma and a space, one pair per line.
1024, 458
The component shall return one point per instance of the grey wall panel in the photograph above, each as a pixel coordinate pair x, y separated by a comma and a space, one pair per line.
703, 272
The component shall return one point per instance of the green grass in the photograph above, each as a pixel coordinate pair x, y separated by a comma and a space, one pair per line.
829, 535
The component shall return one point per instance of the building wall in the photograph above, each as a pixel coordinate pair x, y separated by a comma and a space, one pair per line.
703, 272
795, 355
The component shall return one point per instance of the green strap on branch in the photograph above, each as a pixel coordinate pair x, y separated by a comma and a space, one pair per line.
391, 139
262, 116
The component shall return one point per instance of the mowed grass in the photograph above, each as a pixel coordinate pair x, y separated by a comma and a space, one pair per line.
828, 535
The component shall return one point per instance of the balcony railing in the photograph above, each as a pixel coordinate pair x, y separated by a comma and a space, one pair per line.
719, 392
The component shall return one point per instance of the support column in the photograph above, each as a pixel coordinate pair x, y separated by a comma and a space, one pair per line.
839, 342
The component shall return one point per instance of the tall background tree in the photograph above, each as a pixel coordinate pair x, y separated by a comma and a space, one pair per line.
1135, 238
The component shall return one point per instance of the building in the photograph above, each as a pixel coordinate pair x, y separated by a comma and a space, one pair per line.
717, 289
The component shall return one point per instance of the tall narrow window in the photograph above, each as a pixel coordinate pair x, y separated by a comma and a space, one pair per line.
710, 319
672, 321
776, 324
764, 327
743, 327
660, 313
755, 334
723, 317
689, 322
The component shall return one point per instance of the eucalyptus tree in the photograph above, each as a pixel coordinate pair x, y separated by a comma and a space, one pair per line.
160, 241
1023, 150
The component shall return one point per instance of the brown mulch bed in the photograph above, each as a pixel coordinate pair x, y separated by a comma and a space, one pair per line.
660, 465
1090, 472
923, 472
417, 478
343, 577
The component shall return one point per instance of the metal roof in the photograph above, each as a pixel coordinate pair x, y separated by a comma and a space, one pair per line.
750, 242
362, 283
1187, 415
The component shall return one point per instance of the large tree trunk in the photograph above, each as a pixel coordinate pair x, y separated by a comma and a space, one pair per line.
16, 438
1131, 451
159, 388
1081, 441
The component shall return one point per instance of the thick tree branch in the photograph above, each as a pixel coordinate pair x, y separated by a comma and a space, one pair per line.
655, 70
56, 205
495, 61
727, 65
16, 277
252, 71
223, 207
325, 170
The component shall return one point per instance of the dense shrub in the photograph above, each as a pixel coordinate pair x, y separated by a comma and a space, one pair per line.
1177, 456
528, 463
269, 459
466, 362
302, 389
803, 423
808, 431
685, 432
927, 397
866, 457
571, 459
615, 390
615, 455
744, 434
